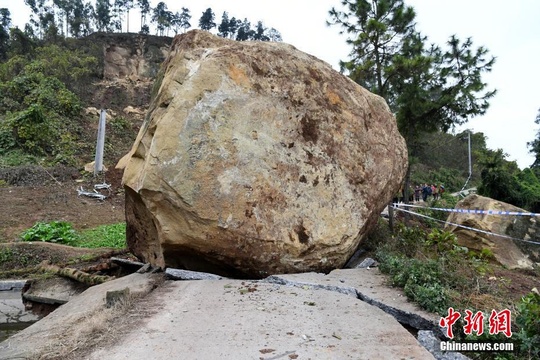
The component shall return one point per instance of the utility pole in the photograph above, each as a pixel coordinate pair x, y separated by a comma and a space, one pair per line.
470, 162
100, 146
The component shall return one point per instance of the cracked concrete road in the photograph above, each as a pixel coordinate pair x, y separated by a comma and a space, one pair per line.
306, 316
228, 319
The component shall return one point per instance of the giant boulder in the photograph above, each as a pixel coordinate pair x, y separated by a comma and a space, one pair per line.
256, 158
512, 239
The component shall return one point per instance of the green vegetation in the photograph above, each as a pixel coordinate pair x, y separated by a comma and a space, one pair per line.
62, 232
38, 113
437, 274
528, 320
6, 254
428, 87
104, 236
53, 19
425, 265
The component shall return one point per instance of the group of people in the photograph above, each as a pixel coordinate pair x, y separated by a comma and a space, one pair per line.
422, 191
427, 190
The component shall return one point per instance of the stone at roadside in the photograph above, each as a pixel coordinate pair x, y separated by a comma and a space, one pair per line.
95, 112
355, 259
506, 251
91, 165
432, 344
255, 159
130, 110
366, 263
114, 297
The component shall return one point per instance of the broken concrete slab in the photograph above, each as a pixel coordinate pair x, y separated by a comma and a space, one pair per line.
8, 285
370, 286
223, 319
12, 309
432, 343
44, 334
54, 291
129, 265
177, 274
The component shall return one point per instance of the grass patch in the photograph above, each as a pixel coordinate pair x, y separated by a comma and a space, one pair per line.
61, 232
113, 236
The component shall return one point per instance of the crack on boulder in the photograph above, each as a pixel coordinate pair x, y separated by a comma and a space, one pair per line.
301, 231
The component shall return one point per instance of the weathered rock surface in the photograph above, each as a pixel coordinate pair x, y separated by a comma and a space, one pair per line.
136, 57
256, 159
508, 252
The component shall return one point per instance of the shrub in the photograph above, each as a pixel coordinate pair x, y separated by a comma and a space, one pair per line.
528, 321
55, 231
422, 281
63, 233
430, 267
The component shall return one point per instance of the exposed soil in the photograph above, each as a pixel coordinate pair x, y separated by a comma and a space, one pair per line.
47, 195
36, 194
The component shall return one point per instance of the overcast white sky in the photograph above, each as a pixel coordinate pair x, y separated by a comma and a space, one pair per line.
510, 30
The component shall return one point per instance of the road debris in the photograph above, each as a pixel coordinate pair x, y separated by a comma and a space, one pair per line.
95, 194
102, 186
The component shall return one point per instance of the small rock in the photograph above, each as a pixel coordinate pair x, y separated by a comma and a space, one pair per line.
366, 263
428, 340
116, 296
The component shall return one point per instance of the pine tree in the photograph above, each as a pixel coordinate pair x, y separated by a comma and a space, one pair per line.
234, 25
224, 26
5, 23
260, 33
274, 35
162, 17
185, 16
206, 22
429, 89
244, 31
103, 15
144, 7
